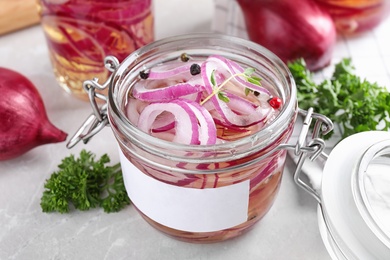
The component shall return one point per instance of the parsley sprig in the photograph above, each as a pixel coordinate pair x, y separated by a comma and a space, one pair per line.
247, 74
353, 103
85, 183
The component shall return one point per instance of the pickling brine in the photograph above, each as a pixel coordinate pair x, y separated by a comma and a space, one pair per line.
201, 101
81, 33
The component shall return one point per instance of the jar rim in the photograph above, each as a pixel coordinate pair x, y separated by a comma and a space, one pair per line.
290, 103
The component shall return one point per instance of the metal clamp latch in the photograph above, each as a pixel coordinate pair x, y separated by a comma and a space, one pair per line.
312, 149
98, 119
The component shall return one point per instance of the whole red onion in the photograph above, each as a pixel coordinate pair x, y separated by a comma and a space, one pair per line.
291, 29
23, 120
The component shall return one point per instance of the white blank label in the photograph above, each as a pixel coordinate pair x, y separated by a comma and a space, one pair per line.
186, 209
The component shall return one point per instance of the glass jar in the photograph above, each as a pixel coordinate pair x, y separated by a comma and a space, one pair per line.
223, 189
81, 33
356, 16
199, 193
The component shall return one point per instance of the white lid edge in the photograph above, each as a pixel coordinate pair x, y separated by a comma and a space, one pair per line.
349, 229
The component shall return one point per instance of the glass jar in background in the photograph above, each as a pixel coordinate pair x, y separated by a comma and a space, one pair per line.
81, 33
356, 16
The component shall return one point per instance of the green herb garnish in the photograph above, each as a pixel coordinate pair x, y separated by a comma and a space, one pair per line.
212, 79
85, 183
247, 74
349, 101
222, 96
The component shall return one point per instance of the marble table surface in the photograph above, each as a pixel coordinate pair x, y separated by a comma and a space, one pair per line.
288, 231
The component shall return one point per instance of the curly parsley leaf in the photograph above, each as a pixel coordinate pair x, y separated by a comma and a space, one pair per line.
349, 101
85, 183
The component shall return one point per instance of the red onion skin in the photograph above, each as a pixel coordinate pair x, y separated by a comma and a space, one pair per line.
291, 29
23, 119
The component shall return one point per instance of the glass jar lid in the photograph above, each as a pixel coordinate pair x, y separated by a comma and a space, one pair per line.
371, 183
355, 198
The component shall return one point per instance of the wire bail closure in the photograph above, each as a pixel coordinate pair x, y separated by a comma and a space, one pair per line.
313, 148
98, 119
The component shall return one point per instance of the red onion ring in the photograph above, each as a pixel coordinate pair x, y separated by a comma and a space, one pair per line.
171, 109
234, 68
164, 74
227, 114
186, 113
134, 109
207, 130
184, 118
165, 93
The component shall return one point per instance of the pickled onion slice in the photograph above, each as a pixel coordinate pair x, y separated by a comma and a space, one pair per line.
75, 42
113, 11
205, 107
185, 119
234, 68
163, 128
134, 109
240, 105
164, 74
167, 93
95, 39
187, 114
226, 110
207, 129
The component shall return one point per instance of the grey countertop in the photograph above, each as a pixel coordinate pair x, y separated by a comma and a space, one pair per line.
288, 231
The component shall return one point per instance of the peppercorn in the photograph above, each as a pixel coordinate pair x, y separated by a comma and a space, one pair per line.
195, 69
184, 57
143, 74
